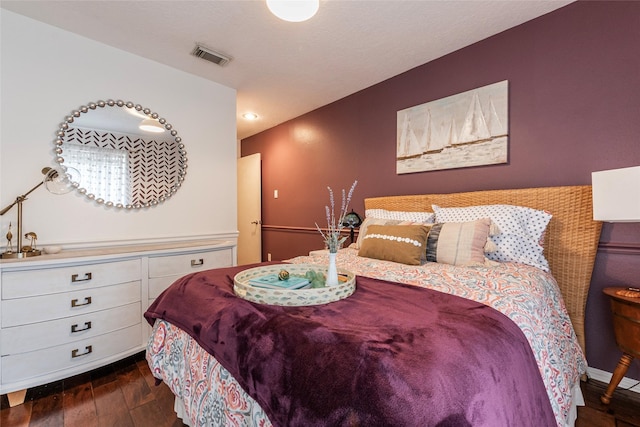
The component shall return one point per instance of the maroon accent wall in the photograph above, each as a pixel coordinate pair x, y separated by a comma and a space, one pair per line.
574, 108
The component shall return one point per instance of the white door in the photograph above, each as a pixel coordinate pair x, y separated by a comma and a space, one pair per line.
249, 209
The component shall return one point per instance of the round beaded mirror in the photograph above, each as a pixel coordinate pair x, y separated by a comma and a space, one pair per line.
128, 156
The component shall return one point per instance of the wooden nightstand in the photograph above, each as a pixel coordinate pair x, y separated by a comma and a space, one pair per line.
626, 326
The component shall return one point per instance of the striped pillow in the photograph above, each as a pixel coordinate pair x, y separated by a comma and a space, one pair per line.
458, 243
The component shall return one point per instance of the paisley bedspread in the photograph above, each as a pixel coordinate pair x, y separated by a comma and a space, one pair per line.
528, 296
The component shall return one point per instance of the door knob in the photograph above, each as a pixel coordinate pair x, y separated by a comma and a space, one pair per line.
257, 222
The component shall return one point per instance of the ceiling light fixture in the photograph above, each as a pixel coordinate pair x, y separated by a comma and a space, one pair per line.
293, 10
250, 116
150, 125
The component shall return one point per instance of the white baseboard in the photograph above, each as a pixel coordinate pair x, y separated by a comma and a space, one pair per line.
604, 377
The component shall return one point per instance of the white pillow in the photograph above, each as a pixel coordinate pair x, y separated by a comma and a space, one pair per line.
521, 230
424, 217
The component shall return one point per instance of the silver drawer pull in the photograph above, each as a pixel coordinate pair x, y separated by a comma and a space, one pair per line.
74, 277
197, 263
74, 302
74, 328
87, 350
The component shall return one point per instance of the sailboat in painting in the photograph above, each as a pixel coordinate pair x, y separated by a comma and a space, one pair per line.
449, 135
474, 129
425, 140
409, 145
493, 122
478, 129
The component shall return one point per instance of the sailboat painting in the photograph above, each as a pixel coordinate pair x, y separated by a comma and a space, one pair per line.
463, 130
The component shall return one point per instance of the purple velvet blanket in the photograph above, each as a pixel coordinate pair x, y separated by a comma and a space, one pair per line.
389, 355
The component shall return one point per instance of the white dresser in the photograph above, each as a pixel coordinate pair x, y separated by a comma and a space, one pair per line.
68, 313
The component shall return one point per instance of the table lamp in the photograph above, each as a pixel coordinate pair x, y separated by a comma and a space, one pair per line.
57, 181
616, 198
351, 220
616, 195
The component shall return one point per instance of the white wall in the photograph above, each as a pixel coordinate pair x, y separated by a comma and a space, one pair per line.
45, 74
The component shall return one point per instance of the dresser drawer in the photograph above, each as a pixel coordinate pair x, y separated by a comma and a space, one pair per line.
179, 265
21, 339
163, 271
19, 367
159, 284
23, 311
26, 283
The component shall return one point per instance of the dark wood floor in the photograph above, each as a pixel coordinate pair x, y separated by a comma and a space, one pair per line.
623, 411
121, 395
124, 394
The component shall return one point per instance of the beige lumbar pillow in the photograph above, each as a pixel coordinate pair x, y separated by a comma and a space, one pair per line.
459, 243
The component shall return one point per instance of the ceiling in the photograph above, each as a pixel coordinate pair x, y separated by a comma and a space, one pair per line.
282, 69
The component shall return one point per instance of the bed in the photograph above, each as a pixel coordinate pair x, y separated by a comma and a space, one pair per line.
510, 354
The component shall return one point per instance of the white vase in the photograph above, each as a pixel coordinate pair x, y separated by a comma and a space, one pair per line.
332, 272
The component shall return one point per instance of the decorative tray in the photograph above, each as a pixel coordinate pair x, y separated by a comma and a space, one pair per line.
292, 297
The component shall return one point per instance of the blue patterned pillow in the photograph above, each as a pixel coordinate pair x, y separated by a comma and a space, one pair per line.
521, 230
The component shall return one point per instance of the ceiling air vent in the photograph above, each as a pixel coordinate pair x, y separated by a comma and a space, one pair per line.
211, 56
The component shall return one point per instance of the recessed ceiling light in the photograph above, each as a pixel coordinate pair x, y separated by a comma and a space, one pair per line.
250, 116
293, 10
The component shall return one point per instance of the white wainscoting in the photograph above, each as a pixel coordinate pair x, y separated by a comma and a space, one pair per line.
605, 377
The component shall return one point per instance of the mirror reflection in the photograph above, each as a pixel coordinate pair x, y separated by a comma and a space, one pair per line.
127, 156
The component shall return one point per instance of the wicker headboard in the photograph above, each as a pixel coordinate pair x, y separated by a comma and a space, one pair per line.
571, 240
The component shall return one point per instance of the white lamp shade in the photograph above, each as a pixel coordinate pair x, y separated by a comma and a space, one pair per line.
293, 10
616, 195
